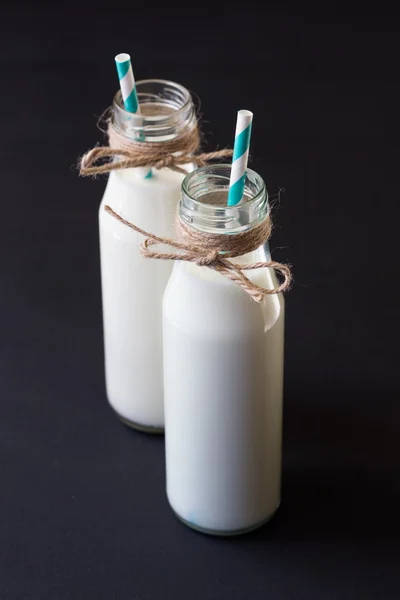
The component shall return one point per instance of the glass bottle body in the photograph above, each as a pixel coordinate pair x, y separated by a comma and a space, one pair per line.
132, 286
223, 373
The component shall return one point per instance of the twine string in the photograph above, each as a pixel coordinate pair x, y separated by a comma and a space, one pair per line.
171, 154
204, 249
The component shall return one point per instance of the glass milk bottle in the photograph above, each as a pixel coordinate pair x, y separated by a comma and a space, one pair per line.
132, 286
223, 372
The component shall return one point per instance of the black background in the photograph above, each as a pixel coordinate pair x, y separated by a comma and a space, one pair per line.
83, 513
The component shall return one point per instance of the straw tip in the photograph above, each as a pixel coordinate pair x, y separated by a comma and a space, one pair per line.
123, 57
245, 113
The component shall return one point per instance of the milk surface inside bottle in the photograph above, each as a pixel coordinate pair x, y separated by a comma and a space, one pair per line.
223, 372
133, 287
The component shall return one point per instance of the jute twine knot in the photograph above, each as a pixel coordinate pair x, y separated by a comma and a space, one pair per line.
204, 249
137, 153
207, 260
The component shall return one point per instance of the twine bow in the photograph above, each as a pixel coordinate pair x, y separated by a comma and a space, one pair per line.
135, 153
205, 250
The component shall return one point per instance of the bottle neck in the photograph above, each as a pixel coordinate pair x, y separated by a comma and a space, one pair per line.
203, 205
166, 111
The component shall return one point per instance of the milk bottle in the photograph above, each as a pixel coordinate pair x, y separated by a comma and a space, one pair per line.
133, 287
223, 372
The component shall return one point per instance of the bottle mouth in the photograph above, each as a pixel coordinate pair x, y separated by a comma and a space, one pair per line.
164, 108
205, 195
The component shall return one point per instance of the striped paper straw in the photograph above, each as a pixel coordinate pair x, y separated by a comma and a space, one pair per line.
240, 156
128, 91
127, 82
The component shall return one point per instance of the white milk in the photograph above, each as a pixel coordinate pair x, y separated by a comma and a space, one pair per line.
223, 381
132, 288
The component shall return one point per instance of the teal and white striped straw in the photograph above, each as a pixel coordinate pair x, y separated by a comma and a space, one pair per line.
240, 156
127, 82
128, 91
